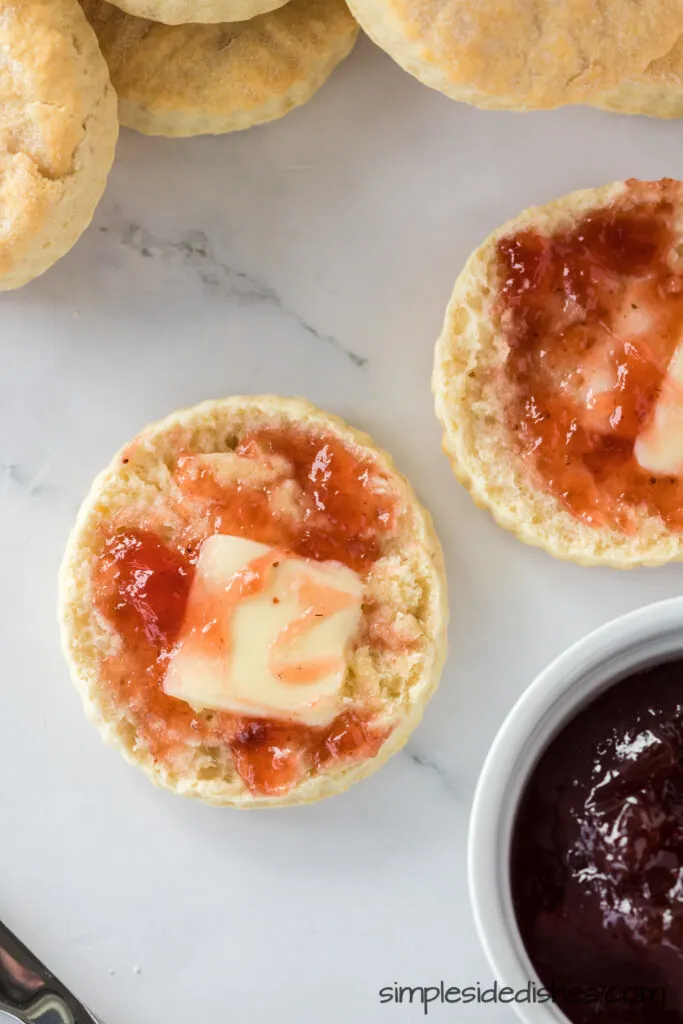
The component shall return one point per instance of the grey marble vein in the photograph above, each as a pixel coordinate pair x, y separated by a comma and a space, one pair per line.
194, 250
25, 484
430, 765
17, 476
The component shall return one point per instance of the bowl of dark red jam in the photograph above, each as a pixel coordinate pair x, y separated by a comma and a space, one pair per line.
576, 835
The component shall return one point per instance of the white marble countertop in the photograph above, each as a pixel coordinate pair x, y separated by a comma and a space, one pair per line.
312, 256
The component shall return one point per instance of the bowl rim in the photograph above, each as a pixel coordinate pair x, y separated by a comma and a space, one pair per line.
639, 638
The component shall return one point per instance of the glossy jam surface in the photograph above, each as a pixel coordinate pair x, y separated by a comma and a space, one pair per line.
597, 855
339, 516
147, 584
270, 755
340, 509
141, 587
593, 316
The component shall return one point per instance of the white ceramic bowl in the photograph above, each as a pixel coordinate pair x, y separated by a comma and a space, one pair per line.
632, 642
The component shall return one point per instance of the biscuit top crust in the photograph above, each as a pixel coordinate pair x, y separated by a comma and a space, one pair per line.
52, 77
539, 53
298, 489
592, 317
222, 68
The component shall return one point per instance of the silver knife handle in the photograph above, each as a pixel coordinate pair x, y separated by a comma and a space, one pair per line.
30, 992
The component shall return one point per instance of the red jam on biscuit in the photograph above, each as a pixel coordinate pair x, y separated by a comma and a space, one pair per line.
237, 610
593, 317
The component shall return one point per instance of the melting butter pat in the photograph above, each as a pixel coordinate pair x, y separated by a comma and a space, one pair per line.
265, 634
659, 448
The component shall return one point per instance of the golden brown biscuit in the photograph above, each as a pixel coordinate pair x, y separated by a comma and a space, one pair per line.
265, 445
58, 130
208, 79
556, 364
657, 92
205, 12
521, 56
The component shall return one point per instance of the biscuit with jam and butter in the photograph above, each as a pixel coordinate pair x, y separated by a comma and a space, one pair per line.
253, 603
656, 92
559, 375
58, 131
182, 80
507, 55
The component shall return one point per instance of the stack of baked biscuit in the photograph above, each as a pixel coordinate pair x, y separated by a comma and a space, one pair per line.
189, 67
178, 67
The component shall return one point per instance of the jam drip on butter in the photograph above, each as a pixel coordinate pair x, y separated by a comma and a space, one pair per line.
142, 583
593, 316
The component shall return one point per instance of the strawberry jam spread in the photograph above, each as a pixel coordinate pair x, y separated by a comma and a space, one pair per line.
597, 856
322, 502
341, 518
593, 315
